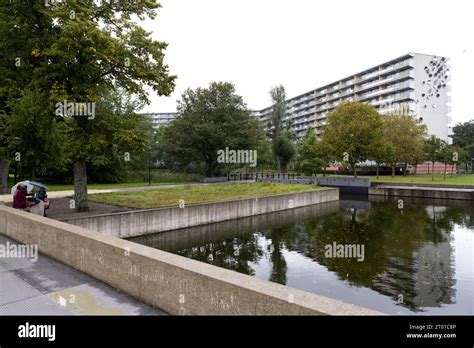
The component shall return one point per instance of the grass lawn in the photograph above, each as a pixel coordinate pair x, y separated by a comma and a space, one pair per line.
466, 179
195, 194
55, 187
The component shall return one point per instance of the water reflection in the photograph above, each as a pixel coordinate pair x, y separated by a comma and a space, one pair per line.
409, 263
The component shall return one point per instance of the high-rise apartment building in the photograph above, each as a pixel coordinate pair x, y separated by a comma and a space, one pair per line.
160, 119
414, 83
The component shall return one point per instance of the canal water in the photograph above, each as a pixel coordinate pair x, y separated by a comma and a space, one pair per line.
394, 255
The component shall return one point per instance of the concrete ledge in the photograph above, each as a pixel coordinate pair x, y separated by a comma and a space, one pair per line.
143, 222
166, 281
405, 184
176, 240
423, 192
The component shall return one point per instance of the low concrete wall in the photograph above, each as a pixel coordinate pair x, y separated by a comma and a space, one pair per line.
170, 282
187, 238
143, 222
423, 192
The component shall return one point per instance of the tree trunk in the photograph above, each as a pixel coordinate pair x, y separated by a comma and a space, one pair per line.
80, 186
378, 171
452, 170
324, 171
445, 170
416, 170
33, 172
393, 171
4, 170
283, 167
355, 171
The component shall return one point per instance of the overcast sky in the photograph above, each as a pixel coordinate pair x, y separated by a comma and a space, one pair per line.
305, 44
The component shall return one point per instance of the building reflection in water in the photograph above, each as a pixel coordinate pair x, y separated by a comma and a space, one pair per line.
408, 265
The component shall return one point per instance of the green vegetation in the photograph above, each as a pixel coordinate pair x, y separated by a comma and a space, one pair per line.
195, 194
59, 187
310, 155
280, 131
464, 137
403, 141
83, 54
210, 120
353, 134
62, 60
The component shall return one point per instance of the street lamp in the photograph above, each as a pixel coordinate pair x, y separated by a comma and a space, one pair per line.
16, 141
149, 166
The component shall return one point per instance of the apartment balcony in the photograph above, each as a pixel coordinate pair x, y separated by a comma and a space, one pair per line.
388, 80
409, 63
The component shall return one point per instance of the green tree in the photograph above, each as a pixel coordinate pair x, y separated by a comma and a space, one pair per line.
42, 137
23, 25
210, 119
277, 119
404, 136
353, 133
85, 49
446, 157
310, 160
433, 147
464, 137
122, 138
284, 150
382, 155
453, 155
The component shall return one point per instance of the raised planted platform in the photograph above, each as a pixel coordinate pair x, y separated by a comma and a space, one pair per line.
143, 222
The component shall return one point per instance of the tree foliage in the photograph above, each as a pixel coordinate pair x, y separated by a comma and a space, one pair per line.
404, 137
284, 150
78, 51
277, 120
210, 119
310, 159
433, 150
464, 137
353, 133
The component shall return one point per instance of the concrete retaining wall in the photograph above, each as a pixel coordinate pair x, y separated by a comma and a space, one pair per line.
423, 192
170, 282
143, 222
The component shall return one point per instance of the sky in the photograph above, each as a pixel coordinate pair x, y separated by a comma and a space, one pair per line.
305, 44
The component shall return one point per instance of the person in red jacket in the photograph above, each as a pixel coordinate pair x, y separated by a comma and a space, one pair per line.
19, 200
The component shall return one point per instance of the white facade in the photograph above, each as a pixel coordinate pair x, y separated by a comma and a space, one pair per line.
160, 119
414, 83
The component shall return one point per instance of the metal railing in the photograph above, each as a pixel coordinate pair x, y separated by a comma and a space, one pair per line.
260, 175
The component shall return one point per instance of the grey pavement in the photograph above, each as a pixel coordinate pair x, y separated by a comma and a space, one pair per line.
48, 287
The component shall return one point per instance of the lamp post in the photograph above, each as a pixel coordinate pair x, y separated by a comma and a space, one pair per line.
149, 166
16, 141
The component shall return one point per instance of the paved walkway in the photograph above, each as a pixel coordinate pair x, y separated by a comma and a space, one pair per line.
48, 287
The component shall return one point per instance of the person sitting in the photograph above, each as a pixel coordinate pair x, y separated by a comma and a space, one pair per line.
41, 196
19, 200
